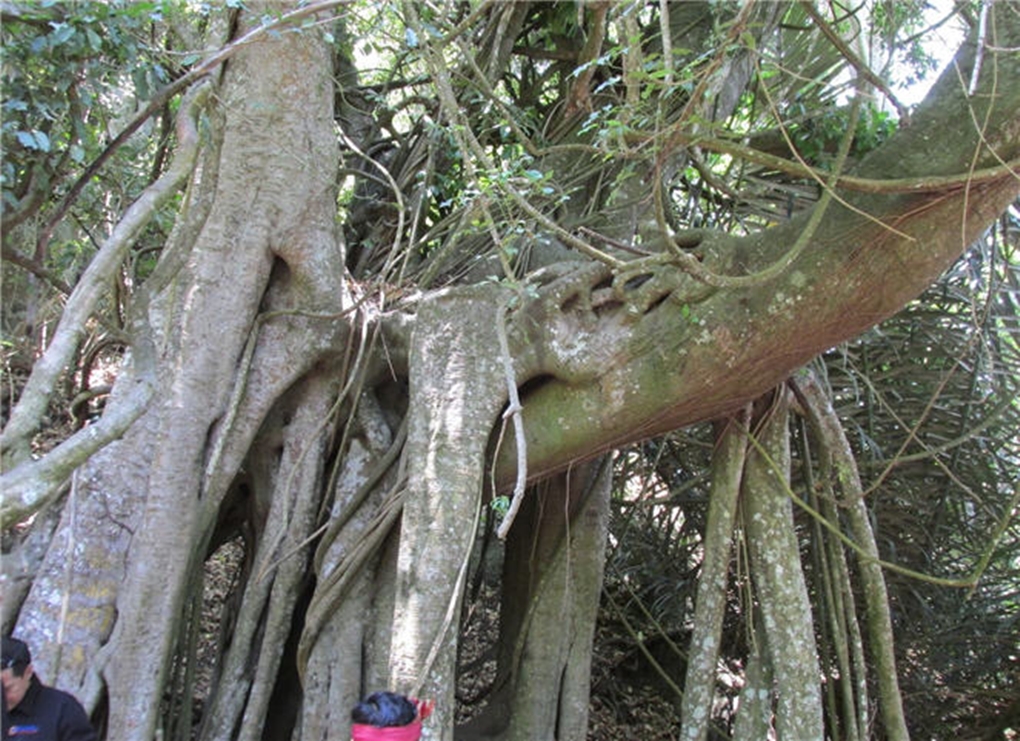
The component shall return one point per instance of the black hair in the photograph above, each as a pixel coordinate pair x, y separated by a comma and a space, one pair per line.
14, 655
384, 710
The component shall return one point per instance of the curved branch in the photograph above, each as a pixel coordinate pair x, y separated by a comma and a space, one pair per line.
862, 68
26, 417
889, 186
803, 239
513, 410
32, 485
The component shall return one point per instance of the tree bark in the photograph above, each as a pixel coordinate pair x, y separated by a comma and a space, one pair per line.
344, 647
552, 581
258, 216
841, 467
73, 599
250, 333
456, 393
754, 712
713, 585
779, 580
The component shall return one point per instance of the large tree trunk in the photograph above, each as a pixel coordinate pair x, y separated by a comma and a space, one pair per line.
270, 225
551, 584
283, 396
457, 389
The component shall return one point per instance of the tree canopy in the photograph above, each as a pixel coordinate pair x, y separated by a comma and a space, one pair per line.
307, 305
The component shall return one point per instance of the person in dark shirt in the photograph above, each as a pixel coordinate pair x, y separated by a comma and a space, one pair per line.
31, 710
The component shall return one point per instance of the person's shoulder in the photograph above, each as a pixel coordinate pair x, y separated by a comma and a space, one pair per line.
54, 693
73, 722
53, 696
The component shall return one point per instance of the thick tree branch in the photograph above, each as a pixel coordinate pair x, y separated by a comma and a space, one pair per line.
715, 350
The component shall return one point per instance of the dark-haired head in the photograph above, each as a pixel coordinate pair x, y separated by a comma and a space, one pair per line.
14, 655
383, 710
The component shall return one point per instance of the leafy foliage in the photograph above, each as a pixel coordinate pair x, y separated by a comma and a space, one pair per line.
74, 75
467, 133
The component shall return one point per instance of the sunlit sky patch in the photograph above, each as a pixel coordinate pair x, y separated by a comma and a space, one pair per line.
941, 43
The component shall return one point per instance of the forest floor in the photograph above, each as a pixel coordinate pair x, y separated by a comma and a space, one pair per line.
639, 715
627, 702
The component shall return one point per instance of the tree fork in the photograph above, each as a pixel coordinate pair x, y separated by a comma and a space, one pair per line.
245, 231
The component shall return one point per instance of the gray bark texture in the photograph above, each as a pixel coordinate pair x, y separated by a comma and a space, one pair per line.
779, 581
702, 663
841, 467
457, 391
353, 428
552, 581
203, 401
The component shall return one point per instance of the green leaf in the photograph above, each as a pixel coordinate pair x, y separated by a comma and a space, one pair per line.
62, 33
95, 41
36, 140
141, 83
